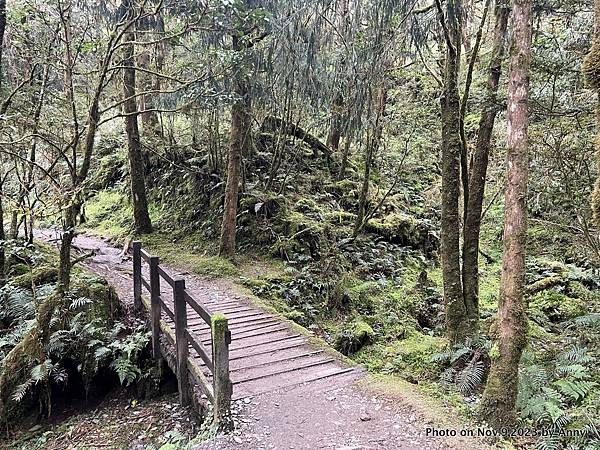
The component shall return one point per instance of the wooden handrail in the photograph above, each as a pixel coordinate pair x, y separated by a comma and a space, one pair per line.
216, 358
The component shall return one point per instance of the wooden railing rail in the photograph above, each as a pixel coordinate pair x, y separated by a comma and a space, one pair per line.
216, 359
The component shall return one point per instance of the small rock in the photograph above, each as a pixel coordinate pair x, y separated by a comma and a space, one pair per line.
365, 418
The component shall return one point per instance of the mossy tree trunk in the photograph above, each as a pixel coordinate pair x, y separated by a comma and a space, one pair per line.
479, 164
371, 148
335, 131
239, 141
456, 313
2, 230
139, 199
591, 72
499, 398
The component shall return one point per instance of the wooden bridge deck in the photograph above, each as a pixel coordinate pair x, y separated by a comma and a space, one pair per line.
265, 353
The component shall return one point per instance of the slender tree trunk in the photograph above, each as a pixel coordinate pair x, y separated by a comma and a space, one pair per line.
371, 149
136, 160
456, 313
147, 103
478, 176
335, 131
2, 231
498, 403
239, 141
344, 162
65, 264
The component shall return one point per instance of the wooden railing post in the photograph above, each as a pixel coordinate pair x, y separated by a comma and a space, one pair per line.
181, 341
155, 305
137, 276
222, 386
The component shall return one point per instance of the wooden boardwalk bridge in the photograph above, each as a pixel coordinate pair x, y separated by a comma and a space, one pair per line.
225, 349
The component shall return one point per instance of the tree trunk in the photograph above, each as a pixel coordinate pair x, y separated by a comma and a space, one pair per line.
66, 239
2, 231
239, 141
456, 313
147, 103
478, 176
136, 161
371, 149
498, 403
344, 161
591, 72
335, 131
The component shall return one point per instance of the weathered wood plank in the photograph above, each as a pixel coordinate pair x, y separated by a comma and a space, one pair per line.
200, 350
137, 276
181, 341
202, 311
155, 305
222, 386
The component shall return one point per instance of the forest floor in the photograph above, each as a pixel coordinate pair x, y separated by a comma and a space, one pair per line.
355, 412
117, 422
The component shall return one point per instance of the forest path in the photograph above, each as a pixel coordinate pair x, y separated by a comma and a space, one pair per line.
322, 406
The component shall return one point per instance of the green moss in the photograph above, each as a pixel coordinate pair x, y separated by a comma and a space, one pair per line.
109, 213
410, 357
340, 217
37, 276
354, 336
556, 306
395, 227
215, 266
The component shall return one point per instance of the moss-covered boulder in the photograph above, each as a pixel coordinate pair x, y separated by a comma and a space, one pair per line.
353, 337
397, 228
556, 306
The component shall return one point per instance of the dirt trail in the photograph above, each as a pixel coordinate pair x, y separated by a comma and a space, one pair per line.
340, 413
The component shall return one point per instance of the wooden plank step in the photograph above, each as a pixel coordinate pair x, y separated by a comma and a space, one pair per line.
276, 361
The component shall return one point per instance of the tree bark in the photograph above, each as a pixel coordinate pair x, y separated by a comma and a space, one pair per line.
272, 123
238, 144
498, 403
591, 72
344, 161
477, 180
335, 131
456, 313
371, 149
147, 103
134, 146
2, 231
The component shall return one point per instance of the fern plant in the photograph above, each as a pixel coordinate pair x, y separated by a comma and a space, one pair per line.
466, 365
557, 394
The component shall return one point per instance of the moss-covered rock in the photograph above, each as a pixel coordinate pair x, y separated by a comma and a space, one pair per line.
353, 337
556, 306
36, 277
400, 229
